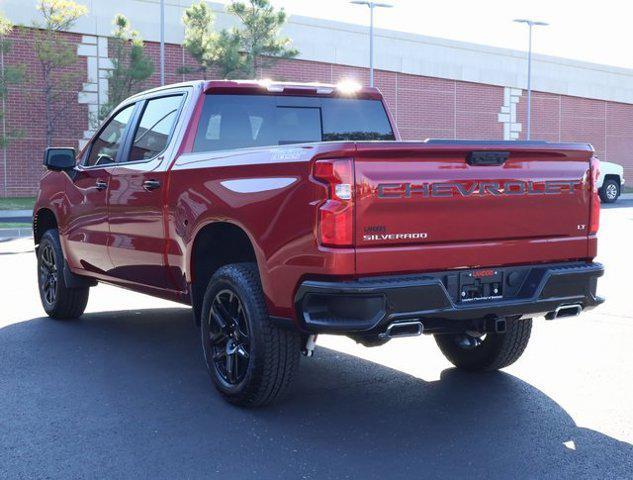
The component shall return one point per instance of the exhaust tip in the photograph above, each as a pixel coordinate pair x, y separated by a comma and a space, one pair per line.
402, 329
565, 311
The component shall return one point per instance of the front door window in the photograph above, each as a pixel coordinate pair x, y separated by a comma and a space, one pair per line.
106, 146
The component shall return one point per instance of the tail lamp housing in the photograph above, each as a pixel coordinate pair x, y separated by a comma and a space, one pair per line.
594, 216
336, 215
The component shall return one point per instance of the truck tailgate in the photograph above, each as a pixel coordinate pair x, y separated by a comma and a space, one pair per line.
453, 204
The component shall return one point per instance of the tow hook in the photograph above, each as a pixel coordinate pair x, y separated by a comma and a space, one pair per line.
308, 349
468, 341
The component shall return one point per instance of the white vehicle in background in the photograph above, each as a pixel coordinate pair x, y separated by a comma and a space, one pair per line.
610, 181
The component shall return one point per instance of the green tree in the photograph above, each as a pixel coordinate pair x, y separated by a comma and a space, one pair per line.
199, 20
228, 56
131, 65
240, 51
211, 49
9, 75
55, 55
259, 34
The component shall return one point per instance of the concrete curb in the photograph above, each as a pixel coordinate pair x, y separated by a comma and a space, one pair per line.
6, 233
626, 196
16, 213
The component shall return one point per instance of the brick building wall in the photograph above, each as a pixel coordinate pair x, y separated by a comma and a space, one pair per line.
422, 107
21, 163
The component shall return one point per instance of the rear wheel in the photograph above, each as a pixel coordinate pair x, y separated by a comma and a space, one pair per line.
59, 301
610, 190
491, 351
251, 361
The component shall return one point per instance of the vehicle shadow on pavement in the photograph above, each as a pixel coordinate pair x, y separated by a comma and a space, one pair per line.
125, 395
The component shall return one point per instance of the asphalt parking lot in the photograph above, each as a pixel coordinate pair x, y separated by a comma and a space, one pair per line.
123, 393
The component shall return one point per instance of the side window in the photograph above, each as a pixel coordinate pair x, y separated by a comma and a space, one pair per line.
105, 147
154, 128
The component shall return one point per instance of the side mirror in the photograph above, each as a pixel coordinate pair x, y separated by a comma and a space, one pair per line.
59, 159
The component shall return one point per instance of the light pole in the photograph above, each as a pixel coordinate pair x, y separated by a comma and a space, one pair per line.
162, 42
371, 6
530, 24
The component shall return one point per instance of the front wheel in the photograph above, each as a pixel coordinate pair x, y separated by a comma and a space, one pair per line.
491, 351
610, 191
252, 362
59, 301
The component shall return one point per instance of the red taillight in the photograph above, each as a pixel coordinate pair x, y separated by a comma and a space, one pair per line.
594, 216
336, 214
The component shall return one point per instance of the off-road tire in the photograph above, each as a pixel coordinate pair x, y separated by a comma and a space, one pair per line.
59, 302
496, 351
273, 351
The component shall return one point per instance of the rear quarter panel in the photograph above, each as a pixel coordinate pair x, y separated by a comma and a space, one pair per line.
268, 193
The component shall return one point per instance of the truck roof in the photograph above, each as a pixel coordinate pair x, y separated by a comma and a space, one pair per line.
346, 88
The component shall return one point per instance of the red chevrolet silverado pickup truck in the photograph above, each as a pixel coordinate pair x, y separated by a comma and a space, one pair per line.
279, 211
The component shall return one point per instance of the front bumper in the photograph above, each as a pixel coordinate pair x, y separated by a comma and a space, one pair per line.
368, 305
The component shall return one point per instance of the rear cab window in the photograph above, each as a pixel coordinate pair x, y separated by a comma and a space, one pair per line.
155, 127
242, 121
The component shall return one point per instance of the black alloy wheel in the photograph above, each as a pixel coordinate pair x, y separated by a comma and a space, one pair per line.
251, 361
48, 274
229, 337
59, 301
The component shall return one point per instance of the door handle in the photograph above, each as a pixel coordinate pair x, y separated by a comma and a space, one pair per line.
151, 184
101, 185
